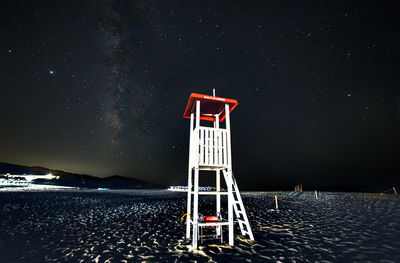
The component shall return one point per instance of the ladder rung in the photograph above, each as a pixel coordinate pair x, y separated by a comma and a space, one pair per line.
240, 212
211, 192
241, 221
235, 205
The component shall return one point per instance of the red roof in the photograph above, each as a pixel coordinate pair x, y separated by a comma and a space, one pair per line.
209, 105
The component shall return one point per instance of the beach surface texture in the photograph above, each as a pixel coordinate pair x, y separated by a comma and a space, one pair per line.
67, 225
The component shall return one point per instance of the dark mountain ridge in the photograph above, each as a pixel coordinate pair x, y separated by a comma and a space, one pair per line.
77, 180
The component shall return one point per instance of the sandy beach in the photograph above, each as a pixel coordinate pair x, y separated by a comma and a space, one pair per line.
144, 225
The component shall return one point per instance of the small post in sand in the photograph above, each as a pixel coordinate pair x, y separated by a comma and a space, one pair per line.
394, 189
276, 202
316, 194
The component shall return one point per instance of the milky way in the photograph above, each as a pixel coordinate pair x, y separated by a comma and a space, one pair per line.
100, 87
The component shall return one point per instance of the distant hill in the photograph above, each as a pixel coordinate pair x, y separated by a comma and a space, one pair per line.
77, 180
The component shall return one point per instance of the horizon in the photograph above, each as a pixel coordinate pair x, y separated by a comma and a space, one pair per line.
287, 187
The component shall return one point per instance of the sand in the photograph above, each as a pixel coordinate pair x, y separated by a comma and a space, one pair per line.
65, 225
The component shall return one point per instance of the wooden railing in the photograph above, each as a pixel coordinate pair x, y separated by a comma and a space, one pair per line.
212, 146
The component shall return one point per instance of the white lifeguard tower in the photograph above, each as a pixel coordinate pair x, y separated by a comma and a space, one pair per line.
210, 150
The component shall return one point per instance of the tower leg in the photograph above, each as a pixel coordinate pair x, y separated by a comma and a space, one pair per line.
196, 209
190, 176
230, 209
189, 203
230, 190
218, 205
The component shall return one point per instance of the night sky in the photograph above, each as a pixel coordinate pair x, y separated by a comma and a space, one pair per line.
100, 87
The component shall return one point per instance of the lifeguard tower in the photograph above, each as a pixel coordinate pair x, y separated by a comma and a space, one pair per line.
210, 150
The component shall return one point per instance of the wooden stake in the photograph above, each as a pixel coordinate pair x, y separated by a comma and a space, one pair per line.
394, 189
276, 202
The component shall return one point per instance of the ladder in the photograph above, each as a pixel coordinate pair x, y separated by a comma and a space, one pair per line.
238, 206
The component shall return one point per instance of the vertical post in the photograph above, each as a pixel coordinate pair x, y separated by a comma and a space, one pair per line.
196, 186
316, 194
394, 189
218, 195
206, 147
217, 140
214, 92
189, 203
189, 193
228, 134
197, 114
218, 172
276, 202
196, 209
200, 135
229, 164
220, 147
